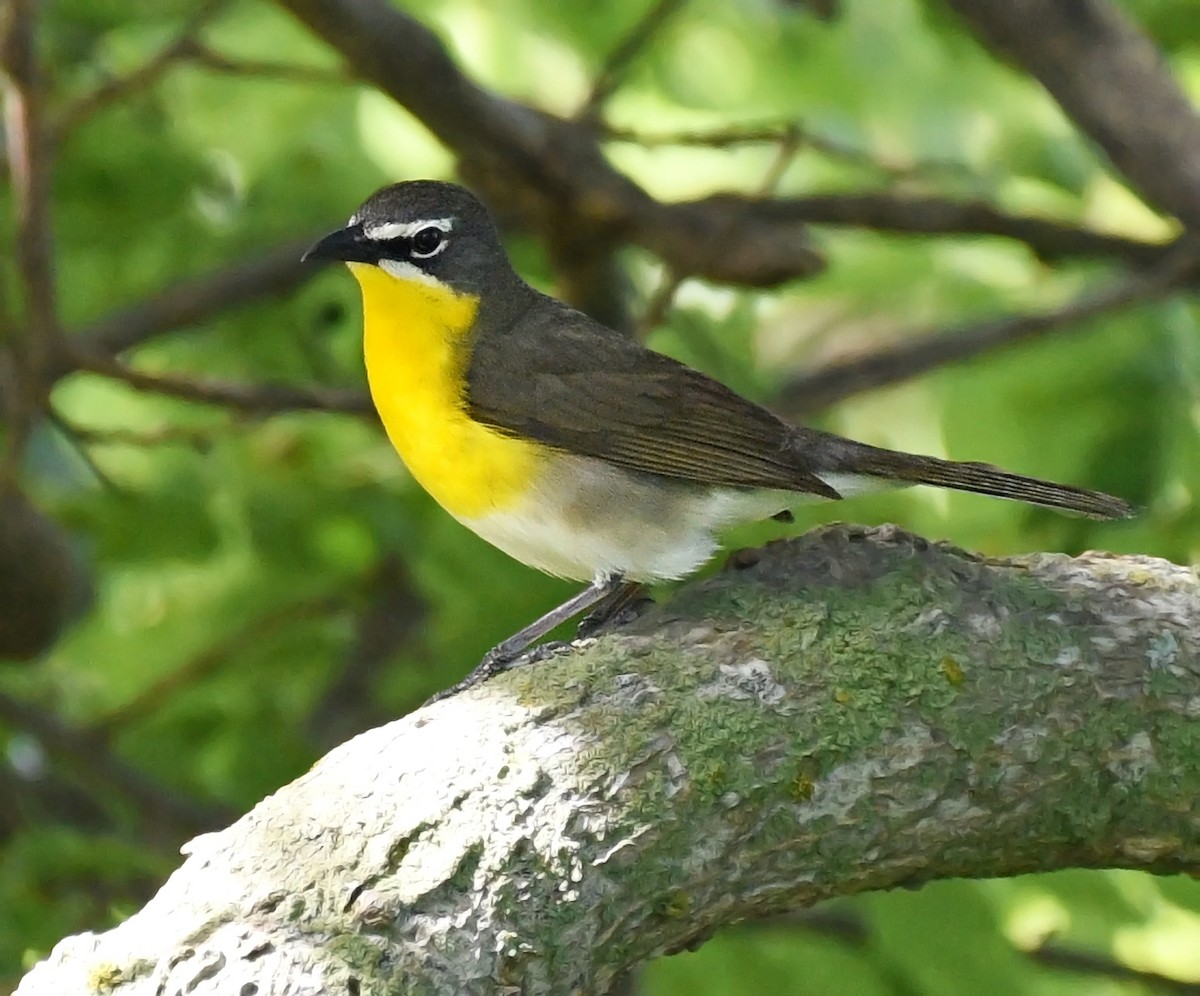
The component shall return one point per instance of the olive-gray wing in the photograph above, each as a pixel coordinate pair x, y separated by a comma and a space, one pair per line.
574, 385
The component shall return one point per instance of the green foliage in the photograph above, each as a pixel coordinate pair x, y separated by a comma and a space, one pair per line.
241, 554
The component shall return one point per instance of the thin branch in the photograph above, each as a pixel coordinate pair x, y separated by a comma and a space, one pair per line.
284, 72
659, 305
557, 166
852, 930
1111, 79
161, 808
254, 398
921, 352
391, 620
274, 272
1093, 963
208, 662
625, 53
30, 167
773, 134
917, 215
118, 88
75, 441
198, 439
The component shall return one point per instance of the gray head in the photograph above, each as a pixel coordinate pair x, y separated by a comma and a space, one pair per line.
423, 230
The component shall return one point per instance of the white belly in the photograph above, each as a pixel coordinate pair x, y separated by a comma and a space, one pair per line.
586, 518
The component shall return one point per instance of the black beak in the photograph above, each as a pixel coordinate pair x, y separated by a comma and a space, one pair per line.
347, 244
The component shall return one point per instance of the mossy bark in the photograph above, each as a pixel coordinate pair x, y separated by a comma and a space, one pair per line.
852, 710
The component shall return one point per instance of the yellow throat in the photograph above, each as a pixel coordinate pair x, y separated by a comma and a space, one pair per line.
417, 344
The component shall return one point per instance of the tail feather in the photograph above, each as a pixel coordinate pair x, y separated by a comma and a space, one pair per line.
985, 479
981, 478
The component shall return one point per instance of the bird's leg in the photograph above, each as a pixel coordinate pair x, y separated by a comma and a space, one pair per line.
629, 597
508, 652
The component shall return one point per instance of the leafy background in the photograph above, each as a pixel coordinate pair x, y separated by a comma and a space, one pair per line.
252, 588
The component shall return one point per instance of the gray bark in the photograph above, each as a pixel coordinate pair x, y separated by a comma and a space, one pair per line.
852, 710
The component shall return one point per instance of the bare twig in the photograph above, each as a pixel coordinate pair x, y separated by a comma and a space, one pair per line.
390, 620
852, 929
276, 271
817, 389
198, 439
917, 215
261, 398
285, 72
659, 305
208, 662
623, 55
111, 91
161, 808
557, 165
76, 443
1092, 963
36, 342
773, 134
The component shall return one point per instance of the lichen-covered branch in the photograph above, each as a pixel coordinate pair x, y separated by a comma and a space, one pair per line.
852, 710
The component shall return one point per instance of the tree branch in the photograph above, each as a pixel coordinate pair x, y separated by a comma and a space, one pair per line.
919, 353
548, 167
185, 45
276, 271
854, 710
1049, 240
263, 397
36, 342
1112, 81
624, 54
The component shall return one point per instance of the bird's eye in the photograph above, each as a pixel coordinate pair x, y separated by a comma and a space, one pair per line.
428, 242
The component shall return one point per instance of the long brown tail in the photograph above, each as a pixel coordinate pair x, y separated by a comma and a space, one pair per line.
847, 457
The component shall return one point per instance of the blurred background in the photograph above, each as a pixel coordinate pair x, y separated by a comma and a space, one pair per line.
213, 567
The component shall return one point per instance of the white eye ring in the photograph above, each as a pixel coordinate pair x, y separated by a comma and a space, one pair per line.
416, 252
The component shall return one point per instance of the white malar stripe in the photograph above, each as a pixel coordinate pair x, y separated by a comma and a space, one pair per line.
401, 270
405, 229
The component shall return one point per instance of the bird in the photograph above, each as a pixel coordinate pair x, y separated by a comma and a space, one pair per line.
570, 446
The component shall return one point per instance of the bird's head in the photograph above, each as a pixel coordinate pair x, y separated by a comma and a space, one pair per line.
423, 231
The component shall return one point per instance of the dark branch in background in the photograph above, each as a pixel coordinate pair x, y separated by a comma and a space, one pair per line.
1112, 82
612, 73
182, 47
1090, 963
389, 622
546, 167
543, 168
167, 816
284, 72
208, 662
818, 389
773, 134
30, 169
76, 442
243, 397
272, 273
912, 215
659, 305
854, 931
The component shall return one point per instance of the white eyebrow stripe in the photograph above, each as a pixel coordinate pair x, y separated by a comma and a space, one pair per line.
405, 229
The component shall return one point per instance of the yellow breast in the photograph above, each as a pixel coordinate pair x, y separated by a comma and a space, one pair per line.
416, 343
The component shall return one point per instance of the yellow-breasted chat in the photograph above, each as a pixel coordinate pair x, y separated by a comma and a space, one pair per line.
570, 446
